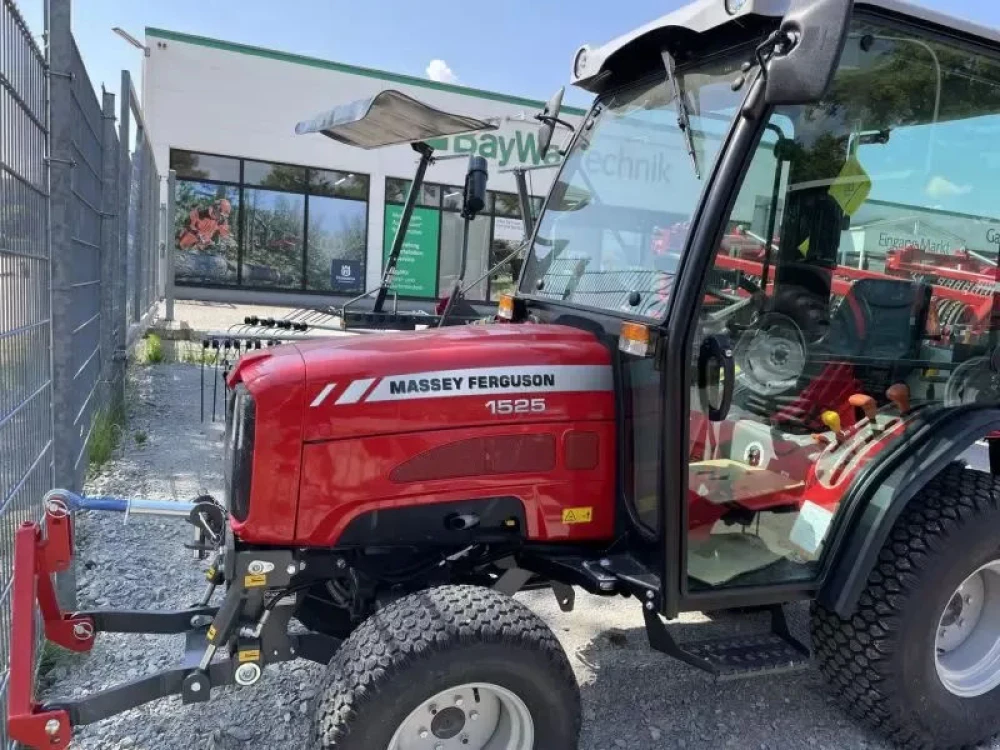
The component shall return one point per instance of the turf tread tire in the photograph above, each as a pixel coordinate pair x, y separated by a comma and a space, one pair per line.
408, 636
855, 654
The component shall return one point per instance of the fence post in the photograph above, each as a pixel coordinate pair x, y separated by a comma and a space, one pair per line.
63, 218
123, 279
113, 359
168, 235
142, 228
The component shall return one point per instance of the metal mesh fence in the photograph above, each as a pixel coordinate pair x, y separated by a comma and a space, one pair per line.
141, 209
68, 307
80, 357
25, 369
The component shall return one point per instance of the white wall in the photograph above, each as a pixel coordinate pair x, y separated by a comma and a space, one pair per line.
202, 98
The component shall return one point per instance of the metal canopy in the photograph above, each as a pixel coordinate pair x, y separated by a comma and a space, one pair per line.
387, 119
703, 15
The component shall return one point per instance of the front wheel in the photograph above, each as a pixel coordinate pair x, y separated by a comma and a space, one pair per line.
920, 659
449, 668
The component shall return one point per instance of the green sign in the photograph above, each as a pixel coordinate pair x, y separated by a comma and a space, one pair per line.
417, 268
511, 149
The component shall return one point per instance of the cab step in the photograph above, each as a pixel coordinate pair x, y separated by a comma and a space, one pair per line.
735, 656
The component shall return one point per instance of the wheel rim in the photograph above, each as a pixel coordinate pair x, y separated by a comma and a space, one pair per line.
967, 647
476, 716
773, 357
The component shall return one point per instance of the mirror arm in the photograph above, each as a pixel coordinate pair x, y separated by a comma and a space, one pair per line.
548, 119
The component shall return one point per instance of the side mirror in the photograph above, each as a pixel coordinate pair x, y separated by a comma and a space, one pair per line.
817, 30
474, 199
549, 117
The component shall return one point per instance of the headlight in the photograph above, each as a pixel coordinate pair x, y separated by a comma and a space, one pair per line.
735, 6
580, 63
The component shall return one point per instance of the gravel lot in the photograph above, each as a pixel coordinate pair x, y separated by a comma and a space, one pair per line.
633, 697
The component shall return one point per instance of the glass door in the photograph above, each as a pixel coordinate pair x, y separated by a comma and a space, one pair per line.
851, 294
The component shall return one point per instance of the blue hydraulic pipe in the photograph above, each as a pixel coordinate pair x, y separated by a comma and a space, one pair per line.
65, 500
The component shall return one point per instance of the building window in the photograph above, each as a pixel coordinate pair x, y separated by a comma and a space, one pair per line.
452, 226
338, 184
274, 230
431, 257
338, 230
277, 176
190, 166
272, 226
396, 190
206, 218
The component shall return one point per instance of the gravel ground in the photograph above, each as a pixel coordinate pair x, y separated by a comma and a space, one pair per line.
634, 698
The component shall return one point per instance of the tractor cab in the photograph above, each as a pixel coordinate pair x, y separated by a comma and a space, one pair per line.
781, 271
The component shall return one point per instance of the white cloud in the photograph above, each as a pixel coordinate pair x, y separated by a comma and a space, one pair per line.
438, 70
939, 187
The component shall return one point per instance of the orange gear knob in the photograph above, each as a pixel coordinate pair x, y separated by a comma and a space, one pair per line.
864, 402
899, 394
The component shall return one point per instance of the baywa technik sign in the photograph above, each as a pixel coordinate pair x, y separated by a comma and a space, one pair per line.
511, 149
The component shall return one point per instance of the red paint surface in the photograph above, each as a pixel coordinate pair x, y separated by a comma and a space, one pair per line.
317, 467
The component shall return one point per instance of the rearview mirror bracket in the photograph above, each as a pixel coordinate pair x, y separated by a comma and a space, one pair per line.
800, 59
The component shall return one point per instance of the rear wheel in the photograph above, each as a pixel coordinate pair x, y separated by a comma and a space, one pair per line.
454, 667
920, 659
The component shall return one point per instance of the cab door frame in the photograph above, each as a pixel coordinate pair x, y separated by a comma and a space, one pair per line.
707, 229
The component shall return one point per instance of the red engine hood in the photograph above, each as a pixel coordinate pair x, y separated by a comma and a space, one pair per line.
437, 379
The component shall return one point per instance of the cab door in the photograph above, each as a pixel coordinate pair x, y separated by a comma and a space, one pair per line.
852, 278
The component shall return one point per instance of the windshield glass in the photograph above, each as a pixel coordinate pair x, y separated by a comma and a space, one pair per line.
615, 224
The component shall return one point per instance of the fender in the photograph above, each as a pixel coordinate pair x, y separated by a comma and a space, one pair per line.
880, 497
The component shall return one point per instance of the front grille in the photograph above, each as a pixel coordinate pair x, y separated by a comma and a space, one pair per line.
240, 423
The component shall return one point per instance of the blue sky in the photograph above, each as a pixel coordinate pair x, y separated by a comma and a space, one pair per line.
515, 46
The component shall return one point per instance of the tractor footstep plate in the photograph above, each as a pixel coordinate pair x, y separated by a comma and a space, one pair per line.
747, 655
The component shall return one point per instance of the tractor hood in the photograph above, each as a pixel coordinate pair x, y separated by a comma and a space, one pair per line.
434, 379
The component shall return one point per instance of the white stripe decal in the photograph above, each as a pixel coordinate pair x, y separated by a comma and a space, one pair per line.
355, 391
489, 381
323, 394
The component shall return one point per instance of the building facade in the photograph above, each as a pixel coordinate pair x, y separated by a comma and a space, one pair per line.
264, 215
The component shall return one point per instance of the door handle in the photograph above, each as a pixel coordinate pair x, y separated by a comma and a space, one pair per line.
715, 364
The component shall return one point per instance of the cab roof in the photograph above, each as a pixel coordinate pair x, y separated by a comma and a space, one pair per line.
703, 16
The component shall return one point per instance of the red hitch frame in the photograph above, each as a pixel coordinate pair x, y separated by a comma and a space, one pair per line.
37, 556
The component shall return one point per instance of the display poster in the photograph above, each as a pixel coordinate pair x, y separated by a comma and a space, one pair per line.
417, 268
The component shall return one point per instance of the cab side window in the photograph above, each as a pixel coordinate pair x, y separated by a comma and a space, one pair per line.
855, 285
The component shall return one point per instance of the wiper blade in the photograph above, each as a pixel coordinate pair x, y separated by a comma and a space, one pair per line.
683, 120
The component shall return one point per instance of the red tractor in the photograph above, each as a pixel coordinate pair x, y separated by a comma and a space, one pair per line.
643, 418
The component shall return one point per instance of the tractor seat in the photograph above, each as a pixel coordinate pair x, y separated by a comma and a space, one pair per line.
881, 319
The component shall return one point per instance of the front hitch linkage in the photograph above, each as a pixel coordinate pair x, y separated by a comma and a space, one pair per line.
248, 644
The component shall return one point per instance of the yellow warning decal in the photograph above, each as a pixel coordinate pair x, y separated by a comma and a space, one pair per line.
210, 573
252, 654
253, 581
852, 186
577, 515
211, 633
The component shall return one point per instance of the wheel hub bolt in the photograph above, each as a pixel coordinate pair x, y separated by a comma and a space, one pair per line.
433, 708
424, 734
459, 701
474, 715
439, 746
